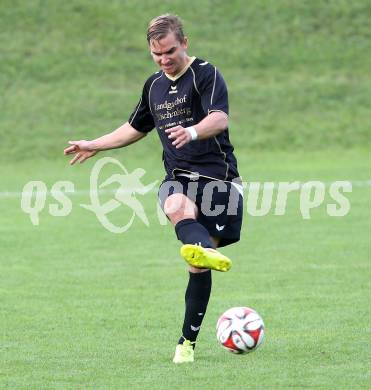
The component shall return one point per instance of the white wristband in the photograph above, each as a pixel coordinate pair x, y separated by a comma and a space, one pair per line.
192, 132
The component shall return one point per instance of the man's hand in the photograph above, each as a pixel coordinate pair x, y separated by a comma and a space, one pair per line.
212, 125
82, 149
179, 135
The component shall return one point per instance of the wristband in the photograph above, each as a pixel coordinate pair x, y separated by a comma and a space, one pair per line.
192, 132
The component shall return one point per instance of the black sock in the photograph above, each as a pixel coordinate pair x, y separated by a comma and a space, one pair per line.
189, 231
196, 299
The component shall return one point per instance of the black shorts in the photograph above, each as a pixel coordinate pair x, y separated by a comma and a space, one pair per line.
219, 203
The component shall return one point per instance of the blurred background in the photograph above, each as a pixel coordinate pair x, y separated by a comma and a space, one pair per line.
298, 72
84, 308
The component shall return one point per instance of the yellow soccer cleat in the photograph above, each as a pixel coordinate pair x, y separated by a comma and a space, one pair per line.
200, 257
184, 353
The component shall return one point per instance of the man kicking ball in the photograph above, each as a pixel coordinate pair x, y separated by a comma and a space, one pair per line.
187, 102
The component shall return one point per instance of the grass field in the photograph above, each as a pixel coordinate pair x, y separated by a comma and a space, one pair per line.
298, 71
85, 308
82, 308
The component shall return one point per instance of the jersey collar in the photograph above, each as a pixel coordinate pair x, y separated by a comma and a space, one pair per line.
181, 73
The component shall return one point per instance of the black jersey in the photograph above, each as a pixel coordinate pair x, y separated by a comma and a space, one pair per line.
185, 100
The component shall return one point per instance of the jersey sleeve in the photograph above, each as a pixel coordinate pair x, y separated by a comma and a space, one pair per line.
141, 118
213, 91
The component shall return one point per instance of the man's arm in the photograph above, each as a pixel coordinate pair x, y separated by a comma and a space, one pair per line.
123, 136
211, 125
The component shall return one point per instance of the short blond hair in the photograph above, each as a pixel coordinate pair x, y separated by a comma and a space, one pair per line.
162, 25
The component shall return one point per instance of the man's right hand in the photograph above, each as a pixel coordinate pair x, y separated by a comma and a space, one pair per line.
82, 150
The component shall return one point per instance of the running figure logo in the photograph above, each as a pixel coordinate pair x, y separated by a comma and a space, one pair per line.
129, 185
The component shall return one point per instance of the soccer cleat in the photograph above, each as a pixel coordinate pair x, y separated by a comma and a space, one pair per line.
200, 257
184, 353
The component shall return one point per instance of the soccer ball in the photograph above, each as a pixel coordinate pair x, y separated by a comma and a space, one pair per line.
240, 330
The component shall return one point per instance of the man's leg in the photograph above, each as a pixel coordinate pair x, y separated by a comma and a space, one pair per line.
182, 212
196, 300
199, 250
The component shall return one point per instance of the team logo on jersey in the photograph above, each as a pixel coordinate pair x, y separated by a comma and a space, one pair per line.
219, 228
173, 89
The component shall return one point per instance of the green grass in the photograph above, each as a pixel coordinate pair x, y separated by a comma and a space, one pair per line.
298, 71
85, 308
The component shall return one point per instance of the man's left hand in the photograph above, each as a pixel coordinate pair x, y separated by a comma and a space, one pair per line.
179, 135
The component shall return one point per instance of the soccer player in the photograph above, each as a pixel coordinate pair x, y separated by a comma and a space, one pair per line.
187, 102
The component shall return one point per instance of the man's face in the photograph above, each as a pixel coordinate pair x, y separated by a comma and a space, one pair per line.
169, 54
